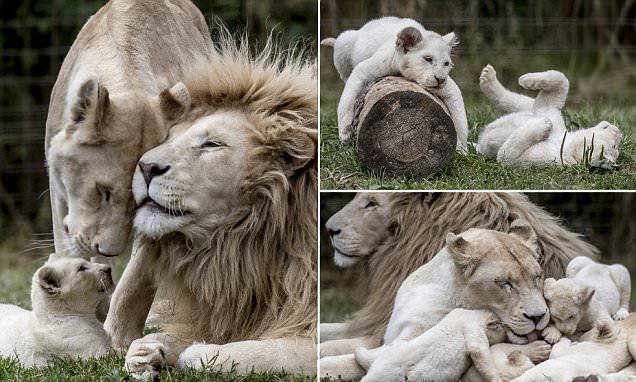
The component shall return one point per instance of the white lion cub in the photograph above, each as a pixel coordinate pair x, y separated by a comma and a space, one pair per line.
443, 353
533, 131
574, 309
65, 293
396, 46
612, 283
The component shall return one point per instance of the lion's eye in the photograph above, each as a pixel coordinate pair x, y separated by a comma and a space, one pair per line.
505, 284
105, 193
371, 203
428, 58
446, 63
211, 144
81, 268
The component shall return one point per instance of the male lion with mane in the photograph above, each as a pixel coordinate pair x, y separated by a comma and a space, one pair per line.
226, 221
393, 234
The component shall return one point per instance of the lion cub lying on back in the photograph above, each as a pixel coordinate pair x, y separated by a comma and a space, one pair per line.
591, 292
533, 131
65, 293
443, 353
394, 46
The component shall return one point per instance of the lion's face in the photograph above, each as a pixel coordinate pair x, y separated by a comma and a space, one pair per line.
91, 162
567, 300
73, 282
426, 58
500, 273
194, 178
358, 228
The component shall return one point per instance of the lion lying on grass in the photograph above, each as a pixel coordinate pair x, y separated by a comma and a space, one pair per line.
226, 221
533, 133
65, 293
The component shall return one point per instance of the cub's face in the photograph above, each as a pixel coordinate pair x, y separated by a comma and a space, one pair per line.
567, 300
359, 228
71, 284
425, 57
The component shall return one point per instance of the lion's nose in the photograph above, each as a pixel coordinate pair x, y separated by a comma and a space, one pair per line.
535, 318
150, 170
440, 80
333, 232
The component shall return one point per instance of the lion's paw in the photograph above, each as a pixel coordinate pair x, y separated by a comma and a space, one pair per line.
551, 335
345, 129
145, 358
198, 355
543, 81
538, 351
620, 314
488, 74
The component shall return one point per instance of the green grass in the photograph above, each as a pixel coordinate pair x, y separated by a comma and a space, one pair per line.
341, 169
16, 270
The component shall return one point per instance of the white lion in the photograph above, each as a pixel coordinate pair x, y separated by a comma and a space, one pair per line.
107, 108
534, 133
462, 336
395, 46
511, 360
612, 283
65, 293
602, 350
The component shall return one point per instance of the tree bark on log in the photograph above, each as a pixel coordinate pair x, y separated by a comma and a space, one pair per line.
401, 129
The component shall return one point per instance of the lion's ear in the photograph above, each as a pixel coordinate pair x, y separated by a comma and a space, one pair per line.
461, 253
584, 294
524, 231
175, 102
451, 39
408, 39
88, 111
49, 280
297, 149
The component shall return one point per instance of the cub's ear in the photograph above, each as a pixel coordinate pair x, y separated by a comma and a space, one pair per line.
524, 231
49, 280
451, 39
408, 39
584, 294
297, 149
175, 102
88, 110
461, 253
548, 286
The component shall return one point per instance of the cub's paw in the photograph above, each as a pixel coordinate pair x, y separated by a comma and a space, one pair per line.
606, 329
488, 74
145, 358
538, 351
345, 129
620, 315
551, 335
543, 81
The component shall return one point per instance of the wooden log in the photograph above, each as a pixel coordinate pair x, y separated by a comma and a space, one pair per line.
401, 129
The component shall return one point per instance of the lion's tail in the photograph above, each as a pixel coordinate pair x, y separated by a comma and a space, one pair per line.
329, 41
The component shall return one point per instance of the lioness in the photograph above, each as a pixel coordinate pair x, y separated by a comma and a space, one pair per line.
65, 293
392, 46
107, 109
478, 269
533, 133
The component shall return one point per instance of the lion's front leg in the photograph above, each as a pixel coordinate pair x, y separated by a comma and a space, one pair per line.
343, 366
346, 346
131, 300
293, 355
153, 353
452, 97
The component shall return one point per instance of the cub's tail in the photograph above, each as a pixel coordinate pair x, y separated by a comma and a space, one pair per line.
329, 41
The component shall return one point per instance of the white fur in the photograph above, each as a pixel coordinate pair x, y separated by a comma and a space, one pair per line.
374, 51
612, 283
443, 353
63, 322
533, 131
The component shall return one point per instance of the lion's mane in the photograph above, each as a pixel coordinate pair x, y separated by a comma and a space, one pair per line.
420, 222
256, 275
